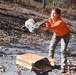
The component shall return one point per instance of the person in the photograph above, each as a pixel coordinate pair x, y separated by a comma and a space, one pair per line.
61, 33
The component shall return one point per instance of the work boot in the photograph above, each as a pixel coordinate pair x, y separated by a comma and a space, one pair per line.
51, 61
65, 73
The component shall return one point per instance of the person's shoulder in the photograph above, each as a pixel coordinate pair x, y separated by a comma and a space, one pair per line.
60, 19
50, 18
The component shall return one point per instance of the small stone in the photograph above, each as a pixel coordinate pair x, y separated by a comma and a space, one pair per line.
18, 72
23, 69
2, 68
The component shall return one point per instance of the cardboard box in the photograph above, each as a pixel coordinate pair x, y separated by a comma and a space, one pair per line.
34, 62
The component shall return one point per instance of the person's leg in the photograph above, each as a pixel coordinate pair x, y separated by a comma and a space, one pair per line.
54, 41
64, 43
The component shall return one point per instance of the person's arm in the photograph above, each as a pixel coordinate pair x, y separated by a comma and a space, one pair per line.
56, 25
45, 25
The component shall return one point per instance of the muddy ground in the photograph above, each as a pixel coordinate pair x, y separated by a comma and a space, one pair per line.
14, 41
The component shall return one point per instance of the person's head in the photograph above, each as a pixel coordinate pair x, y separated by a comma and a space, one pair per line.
55, 13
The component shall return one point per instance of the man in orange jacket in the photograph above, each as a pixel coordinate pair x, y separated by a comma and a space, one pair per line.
61, 33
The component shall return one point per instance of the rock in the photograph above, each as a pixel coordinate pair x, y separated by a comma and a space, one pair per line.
18, 72
2, 68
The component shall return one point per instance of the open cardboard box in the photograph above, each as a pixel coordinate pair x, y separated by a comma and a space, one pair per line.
35, 62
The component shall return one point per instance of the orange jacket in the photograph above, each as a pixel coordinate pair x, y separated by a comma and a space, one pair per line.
58, 27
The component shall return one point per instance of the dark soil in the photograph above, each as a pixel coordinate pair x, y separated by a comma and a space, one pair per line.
12, 17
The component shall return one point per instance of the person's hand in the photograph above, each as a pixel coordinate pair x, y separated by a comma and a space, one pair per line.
45, 26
